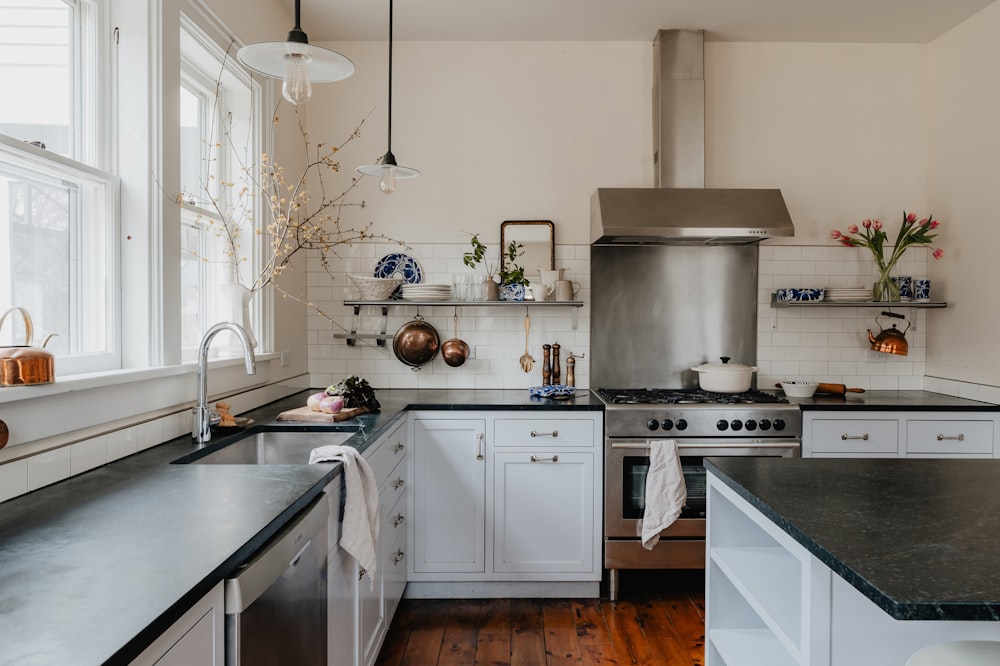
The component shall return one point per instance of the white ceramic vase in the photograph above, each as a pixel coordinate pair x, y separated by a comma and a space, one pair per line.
236, 307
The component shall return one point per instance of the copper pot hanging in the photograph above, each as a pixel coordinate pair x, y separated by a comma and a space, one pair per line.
24, 365
416, 343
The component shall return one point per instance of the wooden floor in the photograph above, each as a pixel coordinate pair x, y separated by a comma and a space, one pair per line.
659, 619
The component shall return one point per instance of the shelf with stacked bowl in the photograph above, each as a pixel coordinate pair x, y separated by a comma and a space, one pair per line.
435, 300
843, 297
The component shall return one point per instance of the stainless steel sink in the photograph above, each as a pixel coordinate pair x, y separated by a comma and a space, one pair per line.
273, 448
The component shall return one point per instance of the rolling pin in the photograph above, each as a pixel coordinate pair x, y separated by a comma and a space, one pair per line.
832, 389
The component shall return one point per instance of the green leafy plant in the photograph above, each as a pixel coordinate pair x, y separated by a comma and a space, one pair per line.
510, 271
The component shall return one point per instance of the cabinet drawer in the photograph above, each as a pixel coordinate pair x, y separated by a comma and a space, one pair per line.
545, 432
858, 436
949, 437
388, 454
393, 507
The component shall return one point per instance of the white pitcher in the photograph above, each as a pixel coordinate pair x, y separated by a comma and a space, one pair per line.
550, 277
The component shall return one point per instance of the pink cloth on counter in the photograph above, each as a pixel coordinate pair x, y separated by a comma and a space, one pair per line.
666, 492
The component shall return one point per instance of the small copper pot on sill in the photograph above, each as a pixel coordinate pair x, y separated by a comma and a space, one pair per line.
24, 365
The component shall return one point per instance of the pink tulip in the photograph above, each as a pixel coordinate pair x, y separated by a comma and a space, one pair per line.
938, 253
835, 234
909, 217
866, 223
853, 229
846, 241
924, 222
876, 224
935, 224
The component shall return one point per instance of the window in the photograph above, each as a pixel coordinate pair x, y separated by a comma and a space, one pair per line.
219, 117
58, 210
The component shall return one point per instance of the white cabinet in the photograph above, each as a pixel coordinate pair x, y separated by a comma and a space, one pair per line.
449, 495
504, 498
196, 639
892, 434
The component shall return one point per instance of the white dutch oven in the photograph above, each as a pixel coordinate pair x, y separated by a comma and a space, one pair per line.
724, 377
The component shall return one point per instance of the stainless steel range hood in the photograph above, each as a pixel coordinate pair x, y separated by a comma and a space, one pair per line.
680, 210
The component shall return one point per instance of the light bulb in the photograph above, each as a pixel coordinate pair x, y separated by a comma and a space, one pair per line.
387, 182
296, 86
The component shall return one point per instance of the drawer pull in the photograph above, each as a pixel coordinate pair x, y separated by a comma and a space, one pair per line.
397, 484
960, 437
845, 437
361, 573
398, 448
554, 433
397, 520
480, 453
398, 556
552, 459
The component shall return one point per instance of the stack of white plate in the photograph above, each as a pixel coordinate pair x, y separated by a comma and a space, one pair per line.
849, 294
426, 292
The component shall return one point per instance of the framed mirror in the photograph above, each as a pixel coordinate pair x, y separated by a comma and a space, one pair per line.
539, 240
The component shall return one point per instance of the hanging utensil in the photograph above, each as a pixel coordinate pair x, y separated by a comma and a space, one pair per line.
455, 351
416, 343
527, 362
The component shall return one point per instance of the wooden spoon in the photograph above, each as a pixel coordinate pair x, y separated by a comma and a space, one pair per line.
527, 361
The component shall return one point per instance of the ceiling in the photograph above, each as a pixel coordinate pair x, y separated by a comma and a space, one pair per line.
885, 21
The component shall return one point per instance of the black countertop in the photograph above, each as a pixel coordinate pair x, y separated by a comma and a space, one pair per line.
94, 568
899, 401
917, 537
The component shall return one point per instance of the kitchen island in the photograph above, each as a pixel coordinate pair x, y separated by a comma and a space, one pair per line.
847, 562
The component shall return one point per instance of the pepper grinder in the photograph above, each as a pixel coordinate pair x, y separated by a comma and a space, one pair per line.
546, 365
556, 372
571, 368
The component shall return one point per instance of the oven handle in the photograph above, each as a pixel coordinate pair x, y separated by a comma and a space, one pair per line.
722, 447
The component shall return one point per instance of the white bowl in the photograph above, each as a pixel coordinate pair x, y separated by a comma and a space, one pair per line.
373, 288
799, 389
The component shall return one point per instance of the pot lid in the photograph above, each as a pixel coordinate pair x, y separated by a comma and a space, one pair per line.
725, 366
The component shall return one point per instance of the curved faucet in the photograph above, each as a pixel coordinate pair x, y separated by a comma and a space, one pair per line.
202, 430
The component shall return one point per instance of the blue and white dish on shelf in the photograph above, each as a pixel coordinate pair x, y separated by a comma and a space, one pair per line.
401, 266
552, 391
799, 295
511, 292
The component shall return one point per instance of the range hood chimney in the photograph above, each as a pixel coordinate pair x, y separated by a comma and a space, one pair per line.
680, 210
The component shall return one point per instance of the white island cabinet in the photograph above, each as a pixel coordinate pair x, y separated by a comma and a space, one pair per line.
770, 601
196, 639
506, 503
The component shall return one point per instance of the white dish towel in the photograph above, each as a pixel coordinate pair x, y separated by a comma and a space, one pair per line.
665, 491
359, 533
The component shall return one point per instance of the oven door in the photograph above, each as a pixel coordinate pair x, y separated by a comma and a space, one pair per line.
626, 466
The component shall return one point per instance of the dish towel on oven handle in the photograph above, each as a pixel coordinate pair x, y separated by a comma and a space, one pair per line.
359, 532
665, 491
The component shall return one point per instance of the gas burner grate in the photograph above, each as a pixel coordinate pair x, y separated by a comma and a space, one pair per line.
658, 396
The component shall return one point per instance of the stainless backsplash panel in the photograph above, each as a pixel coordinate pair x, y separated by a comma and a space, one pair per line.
658, 310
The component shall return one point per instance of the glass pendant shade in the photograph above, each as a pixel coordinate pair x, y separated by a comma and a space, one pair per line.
386, 170
297, 62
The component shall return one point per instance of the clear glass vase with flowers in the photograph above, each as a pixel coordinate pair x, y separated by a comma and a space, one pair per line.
912, 232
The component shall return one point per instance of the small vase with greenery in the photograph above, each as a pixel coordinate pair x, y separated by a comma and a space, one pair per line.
512, 280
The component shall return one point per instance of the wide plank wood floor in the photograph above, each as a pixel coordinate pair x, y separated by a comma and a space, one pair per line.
658, 620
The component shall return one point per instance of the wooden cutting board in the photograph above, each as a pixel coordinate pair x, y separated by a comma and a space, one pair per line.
306, 414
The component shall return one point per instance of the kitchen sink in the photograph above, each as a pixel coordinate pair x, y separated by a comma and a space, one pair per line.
270, 447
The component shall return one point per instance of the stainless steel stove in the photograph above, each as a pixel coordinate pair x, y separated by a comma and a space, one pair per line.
753, 423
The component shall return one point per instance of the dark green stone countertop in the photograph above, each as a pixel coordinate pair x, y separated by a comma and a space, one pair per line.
900, 401
95, 567
920, 538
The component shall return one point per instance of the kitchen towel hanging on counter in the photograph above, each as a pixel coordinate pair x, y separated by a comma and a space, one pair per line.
666, 491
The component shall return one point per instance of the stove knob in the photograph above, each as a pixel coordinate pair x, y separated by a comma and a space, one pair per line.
722, 424
765, 424
779, 424
666, 424
681, 424
652, 424
736, 424
750, 424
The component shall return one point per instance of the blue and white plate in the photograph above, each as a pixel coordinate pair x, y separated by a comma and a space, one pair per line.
552, 391
401, 266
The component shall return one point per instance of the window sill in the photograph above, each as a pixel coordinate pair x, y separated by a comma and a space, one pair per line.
83, 382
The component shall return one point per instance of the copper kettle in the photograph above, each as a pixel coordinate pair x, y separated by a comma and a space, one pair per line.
23, 365
890, 340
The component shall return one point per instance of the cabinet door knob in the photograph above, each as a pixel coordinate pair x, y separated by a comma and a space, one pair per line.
398, 447
361, 573
552, 459
398, 520
960, 437
845, 437
554, 433
397, 484
398, 556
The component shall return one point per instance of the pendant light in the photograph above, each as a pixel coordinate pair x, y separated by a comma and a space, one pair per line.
387, 170
298, 63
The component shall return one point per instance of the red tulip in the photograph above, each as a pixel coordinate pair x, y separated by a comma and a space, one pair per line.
835, 234
853, 229
866, 223
909, 217
935, 224
877, 224
938, 253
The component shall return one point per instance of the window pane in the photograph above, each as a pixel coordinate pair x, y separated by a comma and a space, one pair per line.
53, 235
36, 73
192, 116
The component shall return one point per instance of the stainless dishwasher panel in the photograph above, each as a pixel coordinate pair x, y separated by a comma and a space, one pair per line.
276, 602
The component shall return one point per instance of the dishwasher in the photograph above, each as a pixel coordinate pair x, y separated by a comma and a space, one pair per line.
276, 603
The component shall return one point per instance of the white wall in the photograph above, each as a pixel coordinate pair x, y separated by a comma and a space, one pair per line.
962, 100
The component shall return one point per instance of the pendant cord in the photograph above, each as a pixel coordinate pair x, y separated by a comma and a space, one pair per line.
298, 16
389, 142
